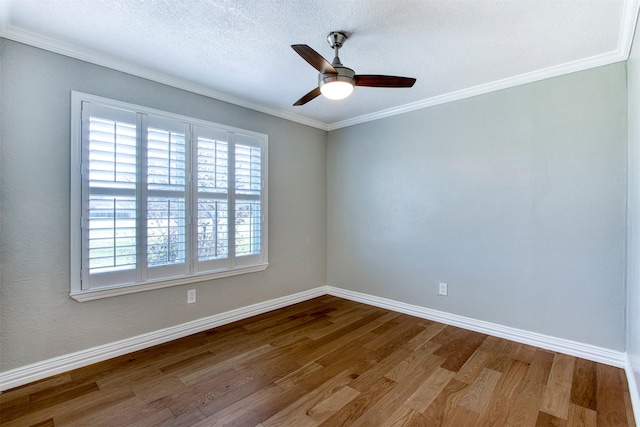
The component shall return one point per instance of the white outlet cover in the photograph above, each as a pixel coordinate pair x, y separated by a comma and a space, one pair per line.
191, 296
443, 289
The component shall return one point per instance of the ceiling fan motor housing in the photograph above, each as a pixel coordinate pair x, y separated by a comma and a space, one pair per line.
344, 75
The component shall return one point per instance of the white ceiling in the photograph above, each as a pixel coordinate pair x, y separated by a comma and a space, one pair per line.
239, 50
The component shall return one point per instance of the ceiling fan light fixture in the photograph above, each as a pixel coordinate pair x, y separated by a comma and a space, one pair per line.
338, 85
336, 89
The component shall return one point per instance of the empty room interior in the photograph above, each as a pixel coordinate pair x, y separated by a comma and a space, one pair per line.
193, 232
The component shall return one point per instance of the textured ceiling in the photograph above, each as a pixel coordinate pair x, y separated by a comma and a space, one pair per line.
239, 50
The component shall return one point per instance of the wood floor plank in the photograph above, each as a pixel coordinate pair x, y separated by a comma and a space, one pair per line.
401, 327
78, 407
401, 417
340, 321
359, 405
300, 373
45, 423
431, 330
480, 392
149, 390
57, 397
401, 393
474, 365
557, 392
429, 390
196, 373
20, 392
505, 393
345, 358
302, 330
212, 388
461, 417
184, 420
446, 404
235, 392
256, 407
523, 352
583, 390
540, 366
161, 417
611, 410
332, 404
329, 362
580, 416
286, 315
460, 349
300, 412
377, 368
421, 356
547, 420
501, 356
344, 335
526, 407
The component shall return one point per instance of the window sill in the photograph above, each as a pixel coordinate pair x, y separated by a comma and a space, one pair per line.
89, 295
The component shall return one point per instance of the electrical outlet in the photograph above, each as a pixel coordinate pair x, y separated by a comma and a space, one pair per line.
443, 289
191, 296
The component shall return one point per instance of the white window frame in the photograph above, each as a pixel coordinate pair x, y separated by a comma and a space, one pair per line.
240, 265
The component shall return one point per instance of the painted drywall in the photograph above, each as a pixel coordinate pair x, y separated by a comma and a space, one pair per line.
633, 215
516, 199
38, 318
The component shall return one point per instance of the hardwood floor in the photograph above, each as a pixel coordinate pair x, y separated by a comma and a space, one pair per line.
329, 362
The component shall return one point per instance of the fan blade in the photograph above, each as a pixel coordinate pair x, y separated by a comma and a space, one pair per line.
314, 58
373, 80
308, 97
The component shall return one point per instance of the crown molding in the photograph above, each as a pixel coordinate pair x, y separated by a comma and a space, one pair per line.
625, 39
628, 28
37, 40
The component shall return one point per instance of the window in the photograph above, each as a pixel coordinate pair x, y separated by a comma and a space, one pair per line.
161, 200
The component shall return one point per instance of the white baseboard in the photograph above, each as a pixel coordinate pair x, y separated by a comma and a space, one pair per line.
57, 365
633, 387
585, 351
39, 370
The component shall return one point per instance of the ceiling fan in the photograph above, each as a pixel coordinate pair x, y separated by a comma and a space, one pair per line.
336, 81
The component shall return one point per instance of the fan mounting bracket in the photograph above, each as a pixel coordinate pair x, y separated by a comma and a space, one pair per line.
336, 39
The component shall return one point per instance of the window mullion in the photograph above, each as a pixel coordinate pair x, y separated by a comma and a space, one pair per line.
141, 196
231, 199
191, 206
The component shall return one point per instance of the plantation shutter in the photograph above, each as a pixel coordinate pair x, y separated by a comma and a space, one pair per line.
166, 198
248, 199
111, 168
212, 198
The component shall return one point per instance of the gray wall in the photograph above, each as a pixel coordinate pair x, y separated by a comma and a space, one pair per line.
38, 318
516, 199
633, 217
